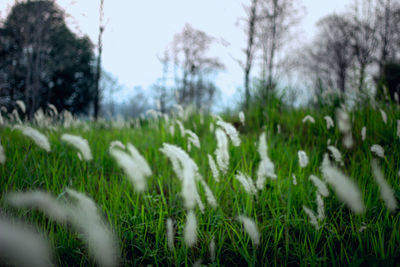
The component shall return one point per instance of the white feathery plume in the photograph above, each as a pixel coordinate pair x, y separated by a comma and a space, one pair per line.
2, 155
246, 182
172, 129
212, 249
79, 143
251, 228
278, 128
294, 179
193, 138
209, 195
320, 207
135, 167
42, 201
213, 167
312, 217
343, 121
384, 116
329, 122
303, 159
222, 152
1, 119
346, 190
187, 171
181, 128
230, 131
308, 118
85, 218
37, 137
241, 117
336, 154
398, 128
197, 263
170, 234
116, 144
265, 168
320, 185
21, 105
378, 150
22, 245
363, 133
53, 109
385, 190
211, 127
140, 161
190, 231
15, 116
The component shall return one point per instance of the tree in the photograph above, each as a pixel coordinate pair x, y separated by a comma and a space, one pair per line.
250, 50
194, 67
97, 92
331, 54
276, 19
43, 61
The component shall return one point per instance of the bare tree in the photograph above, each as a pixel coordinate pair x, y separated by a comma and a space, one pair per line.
276, 18
250, 50
96, 100
189, 50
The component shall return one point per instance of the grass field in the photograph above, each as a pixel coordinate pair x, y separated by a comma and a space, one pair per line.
139, 219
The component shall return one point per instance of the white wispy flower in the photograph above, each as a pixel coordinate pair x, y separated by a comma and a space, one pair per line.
193, 138
278, 128
336, 154
329, 122
53, 109
42, 201
85, 218
384, 116
187, 171
79, 143
348, 140
190, 231
209, 195
211, 127
346, 190
308, 118
343, 121
320, 207
172, 129
246, 182
378, 150
22, 245
222, 152
303, 159
251, 228
37, 137
398, 128
170, 234
363, 133
134, 165
311, 216
212, 249
294, 179
117, 144
266, 168
230, 131
21, 105
213, 167
386, 192
241, 117
2, 155
139, 160
181, 127
320, 185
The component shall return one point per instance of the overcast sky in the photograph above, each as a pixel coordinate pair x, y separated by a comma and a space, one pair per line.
138, 31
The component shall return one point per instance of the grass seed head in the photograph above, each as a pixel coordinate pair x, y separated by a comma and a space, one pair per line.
251, 228
230, 131
37, 137
79, 143
190, 231
378, 150
386, 191
303, 159
320, 185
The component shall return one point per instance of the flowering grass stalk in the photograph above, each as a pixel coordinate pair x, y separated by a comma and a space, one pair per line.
37, 137
79, 143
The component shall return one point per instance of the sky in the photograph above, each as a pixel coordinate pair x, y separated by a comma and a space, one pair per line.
138, 31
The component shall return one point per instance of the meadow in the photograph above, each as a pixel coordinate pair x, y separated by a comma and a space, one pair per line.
280, 230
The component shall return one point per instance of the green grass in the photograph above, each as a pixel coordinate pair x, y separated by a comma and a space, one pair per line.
287, 237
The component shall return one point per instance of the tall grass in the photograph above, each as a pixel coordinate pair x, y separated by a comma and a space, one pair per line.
155, 227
